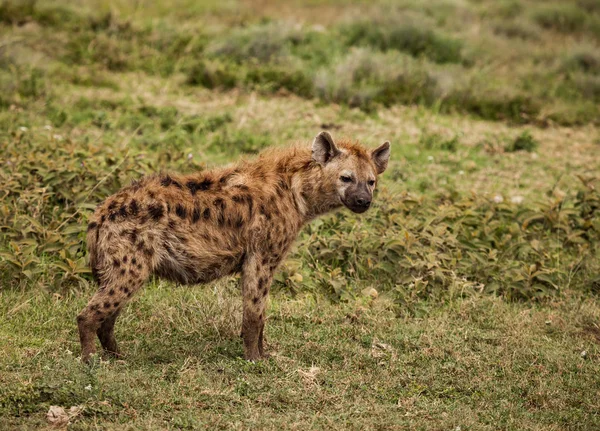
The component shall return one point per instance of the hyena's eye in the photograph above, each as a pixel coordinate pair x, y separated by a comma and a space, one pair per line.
346, 179
371, 182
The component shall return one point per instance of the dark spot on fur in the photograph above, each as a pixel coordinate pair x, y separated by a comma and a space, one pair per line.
116, 304
106, 304
266, 291
261, 283
123, 271
242, 187
133, 260
265, 212
123, 211
102, 219
255, 300
220, 204
116, 263
265, 261
206, 213
111, 292
181, 211
134, 207
125, 259
96, 274
112, 216
112, 206
195, 186
125, 289
139, 266
149, 252
156, 211
151, 194
195, 215
239, 223
172, 224
92, 225
167, 181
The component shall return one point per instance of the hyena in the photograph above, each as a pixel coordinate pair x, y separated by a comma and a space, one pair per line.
197, 228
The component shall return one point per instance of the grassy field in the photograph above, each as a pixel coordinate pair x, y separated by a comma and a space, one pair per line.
467, 298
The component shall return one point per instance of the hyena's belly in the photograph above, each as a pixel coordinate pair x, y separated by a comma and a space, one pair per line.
195, 262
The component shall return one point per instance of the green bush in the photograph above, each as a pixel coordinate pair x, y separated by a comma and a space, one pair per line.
212, 74
562, 17
411, 38
365, 79
524, 142
420, 249
585, 59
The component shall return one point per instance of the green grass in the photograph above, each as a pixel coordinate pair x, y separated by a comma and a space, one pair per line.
475, 364
464, 298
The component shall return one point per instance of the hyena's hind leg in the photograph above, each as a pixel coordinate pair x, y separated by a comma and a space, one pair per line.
125, 276
106, 334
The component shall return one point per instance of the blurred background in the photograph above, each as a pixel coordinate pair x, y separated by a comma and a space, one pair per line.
96, 93
466, 295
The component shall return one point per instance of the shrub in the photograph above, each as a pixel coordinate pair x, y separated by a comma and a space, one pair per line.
524, 142
584, 59
212, 74
589, 87
424, 248
272, 78
561, 17
406, 37
261, 43
365, 78
492, 103
516, 30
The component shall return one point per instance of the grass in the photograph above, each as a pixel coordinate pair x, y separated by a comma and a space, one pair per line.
476, 364
467, 297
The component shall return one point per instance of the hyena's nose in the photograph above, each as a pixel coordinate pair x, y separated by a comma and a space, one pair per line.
362, 202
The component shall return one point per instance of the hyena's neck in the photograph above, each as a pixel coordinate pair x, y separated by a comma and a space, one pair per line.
312, 195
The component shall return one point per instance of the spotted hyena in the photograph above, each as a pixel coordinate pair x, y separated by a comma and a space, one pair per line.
197, 228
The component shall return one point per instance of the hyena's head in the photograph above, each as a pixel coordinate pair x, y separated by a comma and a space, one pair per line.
350, 169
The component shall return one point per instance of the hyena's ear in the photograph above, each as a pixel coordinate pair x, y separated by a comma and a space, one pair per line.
323, 148
381, 156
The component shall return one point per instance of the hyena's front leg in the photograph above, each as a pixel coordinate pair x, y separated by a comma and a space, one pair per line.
256, 281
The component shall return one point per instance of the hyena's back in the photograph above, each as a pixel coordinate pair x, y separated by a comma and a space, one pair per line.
189, 229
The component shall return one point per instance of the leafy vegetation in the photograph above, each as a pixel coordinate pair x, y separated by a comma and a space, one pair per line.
478, 264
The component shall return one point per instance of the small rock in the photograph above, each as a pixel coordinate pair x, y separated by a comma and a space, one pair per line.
57, 416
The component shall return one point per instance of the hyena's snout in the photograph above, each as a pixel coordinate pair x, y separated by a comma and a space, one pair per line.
361, 204
359, 201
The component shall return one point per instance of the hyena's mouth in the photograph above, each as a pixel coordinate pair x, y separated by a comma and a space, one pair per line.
356, 208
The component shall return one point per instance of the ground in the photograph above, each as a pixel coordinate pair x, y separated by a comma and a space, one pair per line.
465, 299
